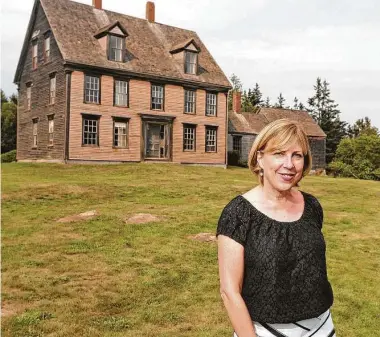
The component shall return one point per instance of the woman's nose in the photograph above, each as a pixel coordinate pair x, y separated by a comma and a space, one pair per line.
288, 162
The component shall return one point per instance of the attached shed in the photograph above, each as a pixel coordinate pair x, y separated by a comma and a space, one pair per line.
244, 127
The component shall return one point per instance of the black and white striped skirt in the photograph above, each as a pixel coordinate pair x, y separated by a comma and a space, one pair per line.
321, 326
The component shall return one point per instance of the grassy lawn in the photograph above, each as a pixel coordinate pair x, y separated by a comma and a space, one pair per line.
103, 277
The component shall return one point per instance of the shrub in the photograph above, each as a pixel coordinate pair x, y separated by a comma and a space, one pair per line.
358, 158
8, 157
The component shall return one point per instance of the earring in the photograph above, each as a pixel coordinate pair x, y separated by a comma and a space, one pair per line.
261, 172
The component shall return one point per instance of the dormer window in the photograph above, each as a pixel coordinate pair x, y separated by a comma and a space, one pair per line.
116, 48
112, 40
191, 62
187, 52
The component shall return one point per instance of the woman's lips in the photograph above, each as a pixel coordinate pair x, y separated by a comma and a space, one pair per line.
287, 176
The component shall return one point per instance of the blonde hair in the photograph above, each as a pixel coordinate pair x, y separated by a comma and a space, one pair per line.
278, 135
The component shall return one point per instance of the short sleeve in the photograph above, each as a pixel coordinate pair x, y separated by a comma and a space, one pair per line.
318, 211
232, 223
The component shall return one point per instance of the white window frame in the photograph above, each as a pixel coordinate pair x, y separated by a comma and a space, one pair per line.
47, 48
211, 104
34, 54
191, 60
211, 139
190, 101
121, 93
52, 90
120, 133
189, 137
51, 130
35, 133
92, 89
116, 48
157, 99
28, 97
90, 131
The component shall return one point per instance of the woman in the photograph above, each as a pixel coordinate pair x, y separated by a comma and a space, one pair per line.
271, 250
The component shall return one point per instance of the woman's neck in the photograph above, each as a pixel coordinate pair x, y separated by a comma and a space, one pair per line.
275, 196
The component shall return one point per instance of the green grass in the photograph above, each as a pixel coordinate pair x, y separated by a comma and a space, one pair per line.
103, 277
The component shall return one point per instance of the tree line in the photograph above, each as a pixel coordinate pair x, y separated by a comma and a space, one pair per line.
351, 150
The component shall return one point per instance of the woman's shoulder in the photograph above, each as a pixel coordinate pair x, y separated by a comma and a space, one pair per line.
315, 206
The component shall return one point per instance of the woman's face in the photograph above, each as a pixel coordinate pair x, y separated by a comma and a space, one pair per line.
282, 168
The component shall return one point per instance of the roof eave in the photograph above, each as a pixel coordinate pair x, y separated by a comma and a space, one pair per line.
25, 44
79, 66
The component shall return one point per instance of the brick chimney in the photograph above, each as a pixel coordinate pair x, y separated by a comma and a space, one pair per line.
97, 4
236, 101
150, 11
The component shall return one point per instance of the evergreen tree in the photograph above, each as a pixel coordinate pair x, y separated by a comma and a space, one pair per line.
295, 105
280, 102
267, 102
301, 106
362, 127
255, 96
325, 112
8, 123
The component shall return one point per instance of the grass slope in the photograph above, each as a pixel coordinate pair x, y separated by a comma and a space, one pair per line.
104, 277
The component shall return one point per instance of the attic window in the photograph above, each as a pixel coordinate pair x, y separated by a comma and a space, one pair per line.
191, 59
116, 48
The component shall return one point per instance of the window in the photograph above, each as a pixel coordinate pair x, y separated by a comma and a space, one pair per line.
34, 54
35, 132
92, 89
211, 138
90, 130
189, 101
157, 97
190, 62
210, 104
121, 93
116, 48
52, 89
28, 96
47, 48
120, 133
189, 137
236, 144
51, 130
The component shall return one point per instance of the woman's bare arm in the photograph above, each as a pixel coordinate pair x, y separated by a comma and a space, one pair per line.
231, 272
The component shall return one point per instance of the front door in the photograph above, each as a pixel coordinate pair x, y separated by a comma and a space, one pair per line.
156, 140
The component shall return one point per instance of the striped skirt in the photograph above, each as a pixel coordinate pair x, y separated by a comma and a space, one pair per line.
321, 326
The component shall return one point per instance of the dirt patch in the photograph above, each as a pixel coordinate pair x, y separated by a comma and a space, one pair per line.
141, 218
79, 217
203, 237
8, 309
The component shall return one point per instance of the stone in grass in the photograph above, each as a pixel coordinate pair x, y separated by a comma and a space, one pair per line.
141, 218
203, 237
79, 217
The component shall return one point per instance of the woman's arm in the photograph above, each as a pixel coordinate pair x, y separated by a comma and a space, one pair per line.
231, 272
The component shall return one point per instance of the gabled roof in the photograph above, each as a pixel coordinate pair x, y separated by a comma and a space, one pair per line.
107, 29
253, 123
148, 44
183, 45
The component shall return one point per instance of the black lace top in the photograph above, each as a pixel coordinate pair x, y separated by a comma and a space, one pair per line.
285, 278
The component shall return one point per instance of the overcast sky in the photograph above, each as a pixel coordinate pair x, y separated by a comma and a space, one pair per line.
283, 45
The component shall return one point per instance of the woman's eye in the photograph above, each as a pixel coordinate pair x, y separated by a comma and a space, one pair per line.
298, 155
278, 153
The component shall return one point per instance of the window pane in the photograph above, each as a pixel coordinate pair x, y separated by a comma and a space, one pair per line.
120, 134
92, 89
121, 93
90, 131
157, 97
